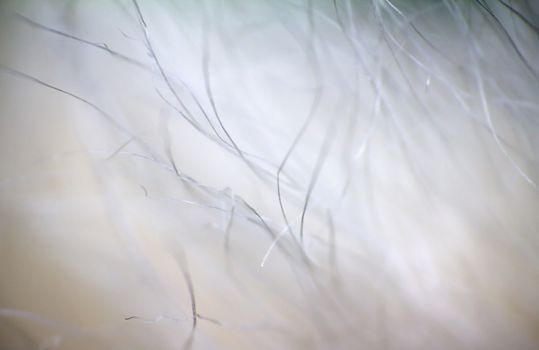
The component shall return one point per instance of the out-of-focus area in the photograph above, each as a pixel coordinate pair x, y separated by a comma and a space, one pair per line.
269, 174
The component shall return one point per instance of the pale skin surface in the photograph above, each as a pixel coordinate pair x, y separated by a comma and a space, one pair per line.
148, 157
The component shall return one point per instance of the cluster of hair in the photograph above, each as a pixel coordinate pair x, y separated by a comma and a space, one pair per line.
269, 174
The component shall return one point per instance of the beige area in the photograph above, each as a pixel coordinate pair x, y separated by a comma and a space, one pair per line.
432, 246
